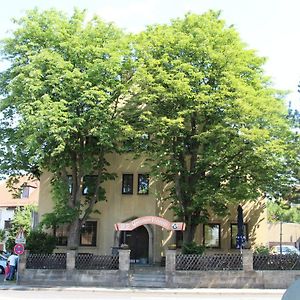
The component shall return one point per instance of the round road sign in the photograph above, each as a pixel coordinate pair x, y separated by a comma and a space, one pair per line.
19, 249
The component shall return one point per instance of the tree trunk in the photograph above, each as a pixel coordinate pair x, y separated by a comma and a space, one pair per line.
189, 233
74, 234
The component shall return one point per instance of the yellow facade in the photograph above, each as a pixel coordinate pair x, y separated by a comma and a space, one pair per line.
122, 208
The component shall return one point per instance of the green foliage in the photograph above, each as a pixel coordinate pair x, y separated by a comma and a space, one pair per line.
218, 132
64, 85
22, 220
281, 211
192, 248
40, 242
190, 94
262, 250
2, 235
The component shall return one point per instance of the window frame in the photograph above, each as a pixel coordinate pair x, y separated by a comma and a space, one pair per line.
70, 183
131, 184
25, 192
7, 224
147, 177
219, 235
84, 184
61, 235
246, 234
94, 234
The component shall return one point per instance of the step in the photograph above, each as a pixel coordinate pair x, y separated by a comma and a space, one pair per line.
148, 280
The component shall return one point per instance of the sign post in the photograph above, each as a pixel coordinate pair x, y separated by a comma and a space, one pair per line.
19, 248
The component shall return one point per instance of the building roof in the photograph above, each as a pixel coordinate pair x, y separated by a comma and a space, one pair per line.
7, 198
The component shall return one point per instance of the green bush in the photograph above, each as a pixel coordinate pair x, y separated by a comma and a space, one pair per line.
262, 250
192, 248
40, 242
2, 235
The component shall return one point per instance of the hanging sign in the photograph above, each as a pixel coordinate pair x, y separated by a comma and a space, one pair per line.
129, 226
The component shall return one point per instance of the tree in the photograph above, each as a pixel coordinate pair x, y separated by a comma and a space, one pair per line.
59, 107
217, 130
2, 235
282, 211
22, 220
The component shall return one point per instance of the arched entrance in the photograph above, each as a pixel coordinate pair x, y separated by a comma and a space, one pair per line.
138, 234
138, 242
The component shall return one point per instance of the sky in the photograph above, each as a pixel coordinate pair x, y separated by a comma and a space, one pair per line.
269, 26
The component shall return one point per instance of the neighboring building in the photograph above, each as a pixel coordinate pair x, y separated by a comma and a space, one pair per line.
132, 195
26, 192
288, 233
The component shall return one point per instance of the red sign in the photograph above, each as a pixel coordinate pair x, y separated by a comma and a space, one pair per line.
19, 249
150, 220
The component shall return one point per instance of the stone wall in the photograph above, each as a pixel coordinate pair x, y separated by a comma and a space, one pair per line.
101, 278
246, 278
232, 279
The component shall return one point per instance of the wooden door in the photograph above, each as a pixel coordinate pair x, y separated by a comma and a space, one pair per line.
138, 242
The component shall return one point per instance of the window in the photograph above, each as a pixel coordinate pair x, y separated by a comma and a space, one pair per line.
7, 224
88, 234
61, 234
25, 191
89, 184
70, 183
143, 184
212, 235
234, 231
127, 184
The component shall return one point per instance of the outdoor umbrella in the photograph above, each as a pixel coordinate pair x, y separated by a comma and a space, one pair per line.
240, 237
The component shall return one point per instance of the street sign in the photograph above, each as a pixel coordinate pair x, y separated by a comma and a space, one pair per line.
19, 249
20, 238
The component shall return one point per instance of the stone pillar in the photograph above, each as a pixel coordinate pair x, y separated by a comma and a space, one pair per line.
124, 260
22, 261
170, 261
247, 260
170, 267
71, 254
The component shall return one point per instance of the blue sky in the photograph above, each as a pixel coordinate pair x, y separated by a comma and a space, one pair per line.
269, 26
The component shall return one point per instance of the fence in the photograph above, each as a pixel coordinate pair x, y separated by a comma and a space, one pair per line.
217, 262
276, 262
84, 261
189, 262
219, 270
46, 261
96, 262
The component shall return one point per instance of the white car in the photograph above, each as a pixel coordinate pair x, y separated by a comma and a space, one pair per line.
3, 261
286, 249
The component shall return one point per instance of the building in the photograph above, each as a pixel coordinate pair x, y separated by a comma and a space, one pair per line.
134, 195
25, 192
284, 233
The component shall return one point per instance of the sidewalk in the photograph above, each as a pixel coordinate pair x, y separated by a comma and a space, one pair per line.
200, 291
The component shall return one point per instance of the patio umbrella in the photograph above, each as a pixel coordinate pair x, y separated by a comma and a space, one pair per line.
240, 237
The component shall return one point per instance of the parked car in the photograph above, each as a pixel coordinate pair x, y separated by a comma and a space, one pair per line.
3, 261
286, 249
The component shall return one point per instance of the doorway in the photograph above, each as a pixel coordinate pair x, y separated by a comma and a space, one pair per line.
138, 242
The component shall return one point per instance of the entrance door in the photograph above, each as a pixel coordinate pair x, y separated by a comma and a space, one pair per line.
138, 242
